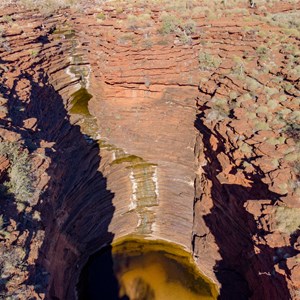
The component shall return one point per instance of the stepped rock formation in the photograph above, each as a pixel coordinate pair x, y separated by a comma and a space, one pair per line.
134, 132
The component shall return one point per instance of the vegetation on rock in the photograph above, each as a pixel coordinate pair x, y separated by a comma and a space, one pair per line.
20, 178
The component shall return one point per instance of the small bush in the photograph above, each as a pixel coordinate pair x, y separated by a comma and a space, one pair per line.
262, 50
262, 109
219, 109
169, 24
216, 115
239, 66
49, 6
139, 21
11, 259
208, 61
101, 16
272, 104
245, 148
261, 125
293, 131
287, 219
20, 182
5, 3
127, 38
189, 27
7, 19
252, 84
1, 222
183, 28
147, 43
184, 38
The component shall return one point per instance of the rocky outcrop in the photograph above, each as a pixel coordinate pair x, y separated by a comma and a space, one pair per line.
189, 137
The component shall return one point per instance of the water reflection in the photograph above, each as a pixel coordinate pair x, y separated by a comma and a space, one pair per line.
141, 270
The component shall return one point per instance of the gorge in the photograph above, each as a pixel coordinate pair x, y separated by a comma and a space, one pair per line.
169, 127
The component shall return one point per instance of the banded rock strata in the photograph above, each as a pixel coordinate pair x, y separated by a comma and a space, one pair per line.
130, 137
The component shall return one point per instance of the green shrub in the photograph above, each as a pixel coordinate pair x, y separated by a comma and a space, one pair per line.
272, 104
262, 51
20, 182
183, 28
261, 125
147, 43
169, 24
139, 21
216, 115
11, 259
184, 38
7, 19
287, 219
293, 131
101, 16
262, 109
239, 66
208, 61
49, 6
189, 27
4, 3
233, 95
1, 222
126, 38
252, 84
245, 148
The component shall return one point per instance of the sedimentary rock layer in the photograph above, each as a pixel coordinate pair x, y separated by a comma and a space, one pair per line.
137, 133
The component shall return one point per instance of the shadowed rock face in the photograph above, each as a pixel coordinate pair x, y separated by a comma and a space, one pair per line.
126, 141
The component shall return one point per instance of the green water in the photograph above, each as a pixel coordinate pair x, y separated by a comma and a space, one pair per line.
80, 100
138, 269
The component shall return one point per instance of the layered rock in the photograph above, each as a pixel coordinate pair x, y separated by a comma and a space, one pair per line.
136, 133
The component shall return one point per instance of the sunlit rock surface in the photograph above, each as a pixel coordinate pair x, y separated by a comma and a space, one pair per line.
194, 143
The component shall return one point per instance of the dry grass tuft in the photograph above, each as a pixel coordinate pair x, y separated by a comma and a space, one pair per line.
287, 219
20, 182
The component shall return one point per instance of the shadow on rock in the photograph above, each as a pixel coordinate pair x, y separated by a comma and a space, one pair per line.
242, 272
74, 205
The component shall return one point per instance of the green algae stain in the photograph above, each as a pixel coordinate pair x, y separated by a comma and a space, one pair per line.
104, 145
136, 162
142, 166
67, 32
132, 159
80, 100
144, 186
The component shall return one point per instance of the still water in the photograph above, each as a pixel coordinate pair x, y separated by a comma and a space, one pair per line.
143, 270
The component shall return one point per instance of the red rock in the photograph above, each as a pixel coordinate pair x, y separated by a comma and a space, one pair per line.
30, 123
144, 105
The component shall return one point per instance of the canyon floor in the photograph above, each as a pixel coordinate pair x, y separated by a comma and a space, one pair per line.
174, 121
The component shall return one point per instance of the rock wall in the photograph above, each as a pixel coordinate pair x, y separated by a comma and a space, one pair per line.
132, 132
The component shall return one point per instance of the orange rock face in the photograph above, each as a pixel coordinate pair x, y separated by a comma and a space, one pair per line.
191, 138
